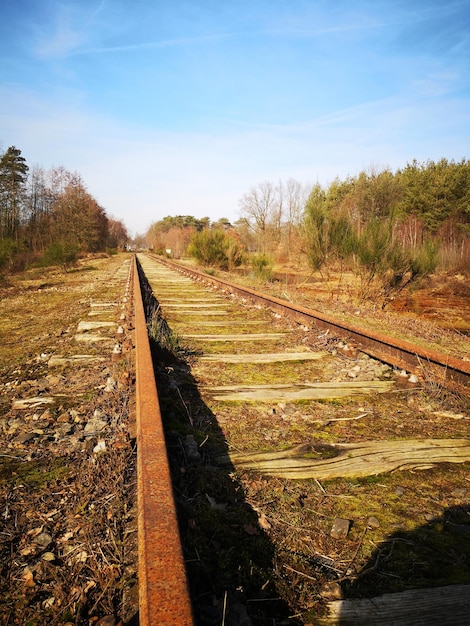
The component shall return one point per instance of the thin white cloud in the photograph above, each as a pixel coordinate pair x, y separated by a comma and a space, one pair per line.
59, 39
149, 45
99, 9
70, 30
222, 36
437, 84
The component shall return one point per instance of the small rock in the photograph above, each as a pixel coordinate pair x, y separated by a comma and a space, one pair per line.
13, 426
237, 616
373, 522
191, 449
28, 577
88, 445
95, 424
109, 620
25, 437
110, 385
124, 380
53, 380
399, 491
340, 528
331, 591
78, 419
43, 540
63, 430
100, 446
263, 522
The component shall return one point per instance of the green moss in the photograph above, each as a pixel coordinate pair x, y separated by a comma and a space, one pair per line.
35, 474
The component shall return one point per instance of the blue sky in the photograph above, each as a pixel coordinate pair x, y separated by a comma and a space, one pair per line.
170, 107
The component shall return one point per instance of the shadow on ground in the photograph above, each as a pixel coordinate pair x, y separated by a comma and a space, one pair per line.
435, 557
229, 558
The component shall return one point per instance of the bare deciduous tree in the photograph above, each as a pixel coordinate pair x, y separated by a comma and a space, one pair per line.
275, 213
258, 205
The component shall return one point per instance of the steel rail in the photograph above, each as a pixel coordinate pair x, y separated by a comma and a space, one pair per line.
441, 368
163, 589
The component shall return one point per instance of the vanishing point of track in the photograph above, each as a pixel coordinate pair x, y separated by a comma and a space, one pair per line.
163, 588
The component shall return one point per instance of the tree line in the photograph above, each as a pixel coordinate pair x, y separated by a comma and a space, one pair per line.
49, 215
421, 200
390, 228
386, 226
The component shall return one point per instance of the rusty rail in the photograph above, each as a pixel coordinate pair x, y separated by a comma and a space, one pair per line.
442, 368
163, 590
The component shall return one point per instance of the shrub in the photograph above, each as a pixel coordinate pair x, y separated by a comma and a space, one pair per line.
64, 255
216, 249
262, 267
317, 235
8, 250
235, 253
424, 262
406, 266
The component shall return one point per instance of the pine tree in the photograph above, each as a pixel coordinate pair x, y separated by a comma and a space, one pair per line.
13, 175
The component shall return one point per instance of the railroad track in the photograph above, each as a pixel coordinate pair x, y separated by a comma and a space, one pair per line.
445, 369
163, 592
244, 359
